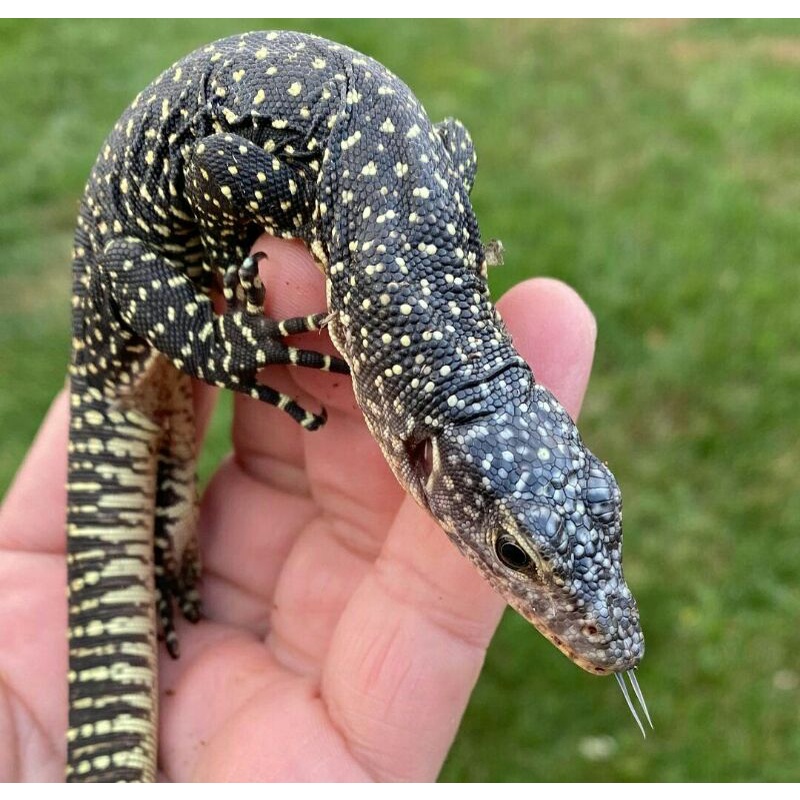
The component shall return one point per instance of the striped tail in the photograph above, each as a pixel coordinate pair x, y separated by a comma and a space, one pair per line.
112, 625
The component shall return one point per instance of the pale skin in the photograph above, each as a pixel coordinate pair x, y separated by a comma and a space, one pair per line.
343, 633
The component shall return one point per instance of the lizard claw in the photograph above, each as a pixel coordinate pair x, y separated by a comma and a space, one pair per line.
241, 284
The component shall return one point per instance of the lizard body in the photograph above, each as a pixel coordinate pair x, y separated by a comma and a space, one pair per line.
304, 138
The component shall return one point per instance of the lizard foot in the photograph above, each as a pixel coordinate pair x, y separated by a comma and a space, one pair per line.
244, 293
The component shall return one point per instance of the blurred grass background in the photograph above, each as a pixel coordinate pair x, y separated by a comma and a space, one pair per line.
654, 166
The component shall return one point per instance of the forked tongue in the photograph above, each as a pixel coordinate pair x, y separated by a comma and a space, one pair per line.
639, 696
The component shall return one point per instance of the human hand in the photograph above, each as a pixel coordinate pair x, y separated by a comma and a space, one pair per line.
342, 633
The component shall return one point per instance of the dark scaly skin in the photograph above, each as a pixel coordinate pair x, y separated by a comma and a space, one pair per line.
301, 137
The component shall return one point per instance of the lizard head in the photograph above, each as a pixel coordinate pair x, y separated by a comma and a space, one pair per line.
543, 523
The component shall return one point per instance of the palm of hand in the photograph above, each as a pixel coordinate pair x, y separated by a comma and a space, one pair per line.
343, 633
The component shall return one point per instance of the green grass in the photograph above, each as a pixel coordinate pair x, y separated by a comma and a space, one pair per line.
655, 168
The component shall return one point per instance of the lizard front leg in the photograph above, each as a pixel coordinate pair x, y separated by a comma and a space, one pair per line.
167, 310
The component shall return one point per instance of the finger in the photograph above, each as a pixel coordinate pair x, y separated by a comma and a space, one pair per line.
32, 515
281, 479
555, 332
409, 646
267, 476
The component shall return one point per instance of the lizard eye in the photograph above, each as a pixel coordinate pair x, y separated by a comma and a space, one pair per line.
420, 455
510, 553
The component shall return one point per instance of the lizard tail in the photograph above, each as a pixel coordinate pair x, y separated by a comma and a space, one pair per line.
112, 626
